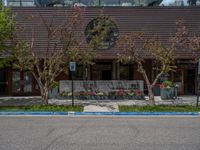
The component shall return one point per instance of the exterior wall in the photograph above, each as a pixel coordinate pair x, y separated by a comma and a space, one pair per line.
62, 76
151, 20
158, 21
186, 74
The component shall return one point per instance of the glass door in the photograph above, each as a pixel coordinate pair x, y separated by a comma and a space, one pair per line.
3, 82
22, 83
178, 78
102, 71
16, 83
27, 87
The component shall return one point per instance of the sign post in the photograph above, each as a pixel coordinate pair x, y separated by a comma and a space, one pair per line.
198, 81
72, 68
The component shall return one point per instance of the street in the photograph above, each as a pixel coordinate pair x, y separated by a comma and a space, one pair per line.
99, 133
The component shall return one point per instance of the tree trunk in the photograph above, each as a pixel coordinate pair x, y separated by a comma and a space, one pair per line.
151, 96
45, 96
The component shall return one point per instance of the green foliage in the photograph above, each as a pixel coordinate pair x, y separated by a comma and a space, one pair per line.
101, 32
23, 57
42, 108
7, 27
168, 84
161, 108
54, 84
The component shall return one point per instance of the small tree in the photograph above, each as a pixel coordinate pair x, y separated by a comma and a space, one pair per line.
7, 27
186, 40
63, 44
133, 46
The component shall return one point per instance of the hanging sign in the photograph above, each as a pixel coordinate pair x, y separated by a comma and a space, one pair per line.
72, 66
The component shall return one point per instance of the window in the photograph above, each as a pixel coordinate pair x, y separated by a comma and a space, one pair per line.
79, 73
124, 3
127, 2
101, 33
109, 2
124, 72
70, 2
90, 2
25, 3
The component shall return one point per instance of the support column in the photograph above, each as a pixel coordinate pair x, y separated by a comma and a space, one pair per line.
118, 73
89, 72
9, 81
113, 70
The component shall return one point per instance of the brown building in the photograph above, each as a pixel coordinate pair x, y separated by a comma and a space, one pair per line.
150, 17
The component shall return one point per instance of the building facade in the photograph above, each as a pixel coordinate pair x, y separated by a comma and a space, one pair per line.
149, 16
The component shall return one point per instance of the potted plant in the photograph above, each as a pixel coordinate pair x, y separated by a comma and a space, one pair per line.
167, 90
54, 90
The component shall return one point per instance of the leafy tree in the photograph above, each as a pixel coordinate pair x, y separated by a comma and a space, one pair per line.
133, 46
7, 27
63, 45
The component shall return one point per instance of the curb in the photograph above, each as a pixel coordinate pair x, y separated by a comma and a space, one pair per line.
138, 113
102, 113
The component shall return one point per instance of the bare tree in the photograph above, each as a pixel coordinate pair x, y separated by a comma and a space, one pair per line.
63, 45
134, 49
187, 40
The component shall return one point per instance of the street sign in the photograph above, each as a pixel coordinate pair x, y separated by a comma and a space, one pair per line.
72, 66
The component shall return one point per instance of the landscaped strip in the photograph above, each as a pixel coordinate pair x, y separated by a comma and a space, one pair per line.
41, 108
160, 108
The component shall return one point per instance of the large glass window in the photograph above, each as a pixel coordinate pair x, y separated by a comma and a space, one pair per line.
124, 71
79, 73
25, 3
21, 82
109, 2
90, 2
85, 3
70, 2
127, 2
103, 30
27, 82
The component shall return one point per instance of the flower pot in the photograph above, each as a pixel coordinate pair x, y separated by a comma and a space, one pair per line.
167, 93
53, 92
156, 91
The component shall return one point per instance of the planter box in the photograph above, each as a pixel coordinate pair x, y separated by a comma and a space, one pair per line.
156, 91
167, 93
53, 93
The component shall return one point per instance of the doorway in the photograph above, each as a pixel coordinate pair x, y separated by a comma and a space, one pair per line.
3, 82
101, 71
21, 83
106, 75
178, 79
190, 76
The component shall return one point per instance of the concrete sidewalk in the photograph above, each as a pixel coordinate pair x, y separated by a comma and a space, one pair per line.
96, 105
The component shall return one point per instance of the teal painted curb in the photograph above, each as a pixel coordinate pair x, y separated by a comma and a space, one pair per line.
102, 113
137, 113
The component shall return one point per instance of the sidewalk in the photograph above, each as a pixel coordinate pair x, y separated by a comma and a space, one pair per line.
96, 105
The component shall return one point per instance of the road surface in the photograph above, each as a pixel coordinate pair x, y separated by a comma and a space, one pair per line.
99, 133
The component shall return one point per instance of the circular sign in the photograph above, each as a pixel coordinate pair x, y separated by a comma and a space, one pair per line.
101, 32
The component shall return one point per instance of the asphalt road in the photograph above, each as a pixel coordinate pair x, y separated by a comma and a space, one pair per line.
99, 133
